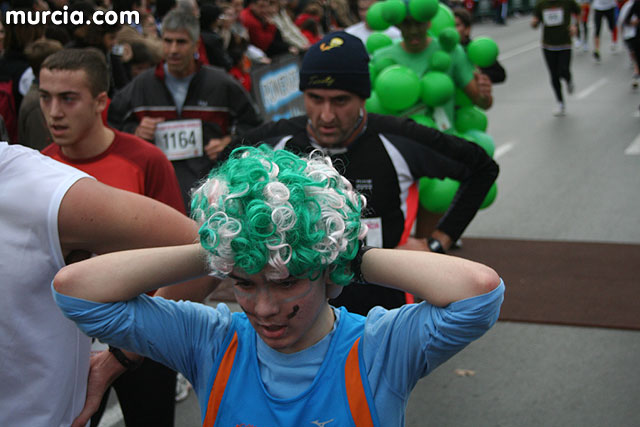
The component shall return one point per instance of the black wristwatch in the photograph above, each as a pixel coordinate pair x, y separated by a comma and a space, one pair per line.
435, 245
130, 365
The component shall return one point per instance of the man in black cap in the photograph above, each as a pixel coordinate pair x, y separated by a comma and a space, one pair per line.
382, 156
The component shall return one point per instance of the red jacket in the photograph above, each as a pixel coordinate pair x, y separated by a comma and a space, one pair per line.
261, 34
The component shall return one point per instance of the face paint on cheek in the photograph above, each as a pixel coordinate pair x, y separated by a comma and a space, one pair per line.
293, 313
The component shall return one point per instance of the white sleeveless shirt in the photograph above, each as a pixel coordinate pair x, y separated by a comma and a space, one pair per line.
44, 358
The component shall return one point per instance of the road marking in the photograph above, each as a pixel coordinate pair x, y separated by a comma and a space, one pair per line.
502, 150
590, 89
634, 148
515, 52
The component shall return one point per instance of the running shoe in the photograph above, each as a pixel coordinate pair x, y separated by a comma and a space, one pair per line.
182, 388
634, 81
559, 110
596, 55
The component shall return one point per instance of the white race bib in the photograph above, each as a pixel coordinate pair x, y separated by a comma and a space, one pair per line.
374, 235
553, 17
180, 139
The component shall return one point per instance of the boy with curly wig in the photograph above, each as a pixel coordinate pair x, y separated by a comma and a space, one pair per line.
287, 232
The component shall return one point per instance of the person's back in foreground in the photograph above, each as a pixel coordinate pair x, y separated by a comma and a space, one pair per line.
287, 232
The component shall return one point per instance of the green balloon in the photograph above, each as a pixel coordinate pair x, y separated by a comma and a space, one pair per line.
449, 38
398, 87
443, 19
377, 40
437, 88
394, 11
423, 10
490, 197
374, 17
481, 138
423, 120
382, 63
483, 51
461, 98
372, 75
373, 105
468, 118
436, 195
440, 61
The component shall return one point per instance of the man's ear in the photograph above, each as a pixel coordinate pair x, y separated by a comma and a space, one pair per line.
331, 289
102, 100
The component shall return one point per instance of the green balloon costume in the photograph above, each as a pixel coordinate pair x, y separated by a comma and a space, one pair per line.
428, 86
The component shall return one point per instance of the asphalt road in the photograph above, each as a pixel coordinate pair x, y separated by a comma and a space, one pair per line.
562, 178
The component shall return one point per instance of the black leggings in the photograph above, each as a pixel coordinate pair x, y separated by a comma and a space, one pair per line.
611, 19
558, 63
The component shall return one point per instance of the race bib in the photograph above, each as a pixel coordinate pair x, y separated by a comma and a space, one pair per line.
441, 119
553, 17
180, 139
374, 235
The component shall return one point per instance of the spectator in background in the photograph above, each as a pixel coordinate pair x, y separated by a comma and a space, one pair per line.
32, 126
262, 32
310, 21
290, 31
495, 72
2, 34
213, 43
16, 75
103, 38
205, 101
362, 30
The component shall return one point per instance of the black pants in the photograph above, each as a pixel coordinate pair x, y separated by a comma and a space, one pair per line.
558, 63
609, 14
147, 396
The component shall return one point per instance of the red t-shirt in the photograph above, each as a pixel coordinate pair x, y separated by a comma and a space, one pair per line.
132, 164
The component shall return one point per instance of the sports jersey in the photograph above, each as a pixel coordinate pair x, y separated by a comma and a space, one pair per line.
131, 164
555, 16
384, 163
44, 357
398, 347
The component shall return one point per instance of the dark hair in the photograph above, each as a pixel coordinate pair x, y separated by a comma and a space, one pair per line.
464, 16
18, 36
39, 50
209, 14
89, 60
142, 54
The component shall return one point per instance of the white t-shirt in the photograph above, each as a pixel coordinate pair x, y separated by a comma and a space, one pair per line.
44, 358
361, 31
603, 4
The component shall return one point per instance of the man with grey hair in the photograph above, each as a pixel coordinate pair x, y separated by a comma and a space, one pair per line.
189, 110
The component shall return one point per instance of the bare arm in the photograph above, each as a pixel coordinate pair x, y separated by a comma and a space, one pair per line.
120, 276
99, 219
479, 90
438, 279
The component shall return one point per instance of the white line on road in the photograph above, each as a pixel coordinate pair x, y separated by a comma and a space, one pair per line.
523, 49
502, 150
634, 148
590, 89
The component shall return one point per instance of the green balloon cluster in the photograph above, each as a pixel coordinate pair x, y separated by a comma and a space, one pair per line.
396, 88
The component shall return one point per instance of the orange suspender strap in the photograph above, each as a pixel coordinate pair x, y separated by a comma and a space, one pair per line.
355, 390
220, 383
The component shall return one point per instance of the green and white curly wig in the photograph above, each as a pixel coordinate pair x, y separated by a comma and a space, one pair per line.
271, 210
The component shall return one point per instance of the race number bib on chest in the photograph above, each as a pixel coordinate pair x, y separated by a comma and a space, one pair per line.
374, 235
180, 139
553, 17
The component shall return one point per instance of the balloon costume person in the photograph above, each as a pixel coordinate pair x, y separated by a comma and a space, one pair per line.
429, 77
287, 232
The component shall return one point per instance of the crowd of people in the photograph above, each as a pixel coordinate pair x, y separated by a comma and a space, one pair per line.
131, 142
